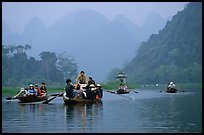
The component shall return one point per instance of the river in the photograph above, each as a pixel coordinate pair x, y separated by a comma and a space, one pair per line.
148, 111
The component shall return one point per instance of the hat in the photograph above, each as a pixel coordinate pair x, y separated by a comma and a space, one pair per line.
98, 85
92, 89
31, 85
83, 85
92, 86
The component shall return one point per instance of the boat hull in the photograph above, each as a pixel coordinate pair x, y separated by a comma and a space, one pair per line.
122, 91
171, 90
76, 100
31, 99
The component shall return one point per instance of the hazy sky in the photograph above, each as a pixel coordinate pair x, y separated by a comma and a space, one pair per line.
17, 14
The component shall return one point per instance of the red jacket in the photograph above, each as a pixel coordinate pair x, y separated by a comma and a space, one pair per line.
39, 92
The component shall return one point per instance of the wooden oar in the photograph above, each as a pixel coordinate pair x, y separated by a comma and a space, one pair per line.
10, 98
161, 90
113, 92
181, 90
55, 94
133, 90
48, 100
14, 97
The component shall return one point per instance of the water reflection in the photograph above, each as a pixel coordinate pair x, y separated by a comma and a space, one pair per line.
83, 116
31, 107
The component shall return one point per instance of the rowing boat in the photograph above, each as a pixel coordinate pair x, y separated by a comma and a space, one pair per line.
122, 91
31, 98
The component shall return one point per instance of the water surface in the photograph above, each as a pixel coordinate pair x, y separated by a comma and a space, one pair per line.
149, 111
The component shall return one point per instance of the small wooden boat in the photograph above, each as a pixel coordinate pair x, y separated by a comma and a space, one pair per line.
30, 99
171, 90
78, 99
122, 91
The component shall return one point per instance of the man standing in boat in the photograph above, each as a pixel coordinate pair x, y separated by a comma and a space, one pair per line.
82, 80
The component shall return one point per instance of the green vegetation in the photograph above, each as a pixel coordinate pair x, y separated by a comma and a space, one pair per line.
174, 54
12, 91
18, 69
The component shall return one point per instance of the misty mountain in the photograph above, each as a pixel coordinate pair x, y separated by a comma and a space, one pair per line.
96, 43
174, 54
135, 29
34, 27
151, 25
8, 37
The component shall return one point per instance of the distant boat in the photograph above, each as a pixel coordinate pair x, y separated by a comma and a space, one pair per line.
121, 76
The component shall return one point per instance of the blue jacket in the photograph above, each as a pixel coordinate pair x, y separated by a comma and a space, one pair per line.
32, 91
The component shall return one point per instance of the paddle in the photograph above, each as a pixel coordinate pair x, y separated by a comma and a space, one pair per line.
113, 92
48, 100
10, 98
55, 94
181, 90
15, 97
135, 91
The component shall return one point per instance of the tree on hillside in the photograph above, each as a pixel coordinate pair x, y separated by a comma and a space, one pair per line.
175, 53
48, 63
67, 66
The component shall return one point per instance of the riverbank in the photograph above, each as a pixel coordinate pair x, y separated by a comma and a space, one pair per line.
12, 91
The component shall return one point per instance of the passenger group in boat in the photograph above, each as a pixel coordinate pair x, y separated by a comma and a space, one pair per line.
171, 85
83, 89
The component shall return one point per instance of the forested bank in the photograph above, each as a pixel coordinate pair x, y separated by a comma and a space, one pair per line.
19, 70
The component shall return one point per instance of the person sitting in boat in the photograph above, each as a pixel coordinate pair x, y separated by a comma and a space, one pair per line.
31, 91
22, 92
125, 87
40, 93
88, 93
69, 89
171, 85
91, 81
100, 90
43, 88
95, 93
81, 78
121, 87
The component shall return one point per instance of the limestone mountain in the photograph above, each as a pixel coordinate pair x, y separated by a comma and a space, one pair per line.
175, 53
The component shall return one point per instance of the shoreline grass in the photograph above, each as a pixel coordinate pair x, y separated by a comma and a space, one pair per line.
12, 91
